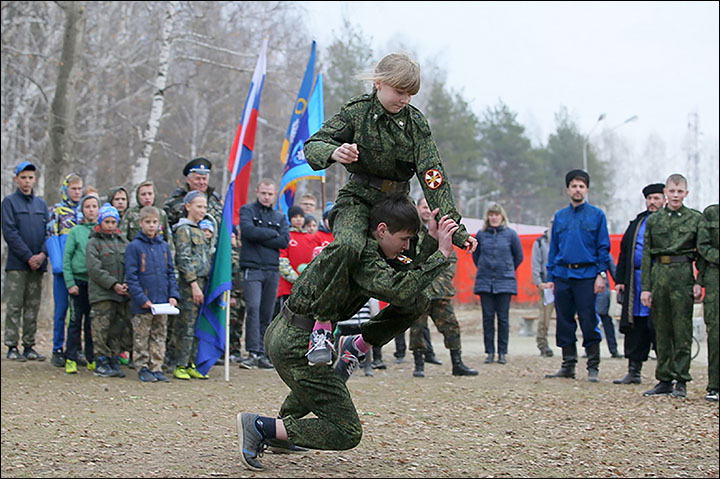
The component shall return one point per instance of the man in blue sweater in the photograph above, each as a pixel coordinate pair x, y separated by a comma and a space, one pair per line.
24, 217
264, 232
577, 261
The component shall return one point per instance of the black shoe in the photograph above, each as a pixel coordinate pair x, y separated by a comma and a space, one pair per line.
419, 359
490, 358
32, 355
264, 362
15, 355
146, 376
160, 376
593, 375
617, 355
102, 367
400, 360
712, 395
250, 442
115, 371
501, 359
58, 359
458, 367
546, 353
563, 372
661, 388
250, 362
378, 364
432, 359
680, 390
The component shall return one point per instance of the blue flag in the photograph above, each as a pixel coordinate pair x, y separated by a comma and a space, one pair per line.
297, 167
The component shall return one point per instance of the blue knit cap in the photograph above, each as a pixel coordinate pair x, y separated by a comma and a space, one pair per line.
106, 211
207, 225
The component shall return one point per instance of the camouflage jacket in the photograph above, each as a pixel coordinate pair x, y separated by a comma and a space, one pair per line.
192, 251
671, 233
130, 223
392, 146
175, 206
708, 238
105, 257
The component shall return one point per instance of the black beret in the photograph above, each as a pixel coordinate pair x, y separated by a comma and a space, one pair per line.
295, 211
653, 188
577, 174
198, 165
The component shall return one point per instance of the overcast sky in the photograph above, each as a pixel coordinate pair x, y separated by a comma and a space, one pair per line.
656, 60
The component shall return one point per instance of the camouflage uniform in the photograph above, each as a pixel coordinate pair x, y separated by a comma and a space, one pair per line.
319, 389
708, 240
149, 336
109, 312
130, 222
23, 293
392, 148
671, 236
192, 260
175, 206
441, 311
237, 312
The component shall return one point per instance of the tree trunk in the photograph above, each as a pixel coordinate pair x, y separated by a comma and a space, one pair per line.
59, 149
140, 169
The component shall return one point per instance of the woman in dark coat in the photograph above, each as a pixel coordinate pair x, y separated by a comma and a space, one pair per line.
498, 255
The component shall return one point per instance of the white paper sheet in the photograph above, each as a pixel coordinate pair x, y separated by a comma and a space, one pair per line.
548, 296
164, 308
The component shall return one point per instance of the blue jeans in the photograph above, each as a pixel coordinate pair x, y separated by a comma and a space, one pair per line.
496, 305
60, 296
260, 288
576, 296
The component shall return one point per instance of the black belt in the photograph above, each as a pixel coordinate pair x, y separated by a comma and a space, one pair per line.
381, 184
297, 319
578, 265
666, 259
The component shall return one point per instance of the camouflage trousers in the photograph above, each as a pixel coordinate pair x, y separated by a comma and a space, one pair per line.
121, 338
443, 315
237, 319
23, 290
544, 315
672, 307
181, 342
316, 389
149, 336
711, 313
107, 318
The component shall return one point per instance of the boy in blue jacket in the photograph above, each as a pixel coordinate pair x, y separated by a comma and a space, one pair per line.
150, 276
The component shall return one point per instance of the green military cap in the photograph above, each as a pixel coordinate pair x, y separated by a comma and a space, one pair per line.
198, 165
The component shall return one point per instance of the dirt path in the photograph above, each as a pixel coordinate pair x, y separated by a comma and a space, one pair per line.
507, 421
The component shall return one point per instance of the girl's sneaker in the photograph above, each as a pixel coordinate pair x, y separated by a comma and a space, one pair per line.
70, 366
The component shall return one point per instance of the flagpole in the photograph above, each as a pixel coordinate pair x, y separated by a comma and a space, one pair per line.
227, 336
322, 194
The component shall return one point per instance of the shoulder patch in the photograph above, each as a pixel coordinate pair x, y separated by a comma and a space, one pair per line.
433, 178
403, 259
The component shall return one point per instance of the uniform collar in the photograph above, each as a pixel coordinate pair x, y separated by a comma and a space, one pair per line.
679, 212
377, 111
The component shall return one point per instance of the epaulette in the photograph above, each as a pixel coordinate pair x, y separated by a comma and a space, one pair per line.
419, 120
357, 99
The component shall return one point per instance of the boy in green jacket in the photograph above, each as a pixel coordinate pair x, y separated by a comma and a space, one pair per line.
76, 281
107, 289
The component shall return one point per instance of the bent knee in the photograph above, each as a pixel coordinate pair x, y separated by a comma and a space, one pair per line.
350, 438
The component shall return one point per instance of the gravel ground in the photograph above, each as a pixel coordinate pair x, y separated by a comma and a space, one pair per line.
508, 421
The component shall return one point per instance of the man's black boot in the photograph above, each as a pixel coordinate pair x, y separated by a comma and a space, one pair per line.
633, 375
419, 358
458, 368
567, 369
593, 362
661, 388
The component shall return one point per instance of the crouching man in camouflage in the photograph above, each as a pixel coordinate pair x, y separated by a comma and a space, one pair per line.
382, 272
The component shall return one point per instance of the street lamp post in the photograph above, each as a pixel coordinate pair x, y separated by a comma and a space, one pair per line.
586, 140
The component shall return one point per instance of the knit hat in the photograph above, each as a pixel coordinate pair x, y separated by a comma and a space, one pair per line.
192, 195
207, 225
295, 211
106, 211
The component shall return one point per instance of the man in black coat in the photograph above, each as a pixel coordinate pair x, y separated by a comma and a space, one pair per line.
635, 321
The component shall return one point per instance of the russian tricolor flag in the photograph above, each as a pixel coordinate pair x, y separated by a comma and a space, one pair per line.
240, 161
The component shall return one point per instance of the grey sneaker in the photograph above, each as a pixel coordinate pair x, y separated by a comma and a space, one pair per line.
250, 442
15, 355
712, 395
349, 357
680, 390
250, 362
320, 348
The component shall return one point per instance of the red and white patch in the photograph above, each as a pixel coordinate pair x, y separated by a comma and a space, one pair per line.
433, 178
403, 259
